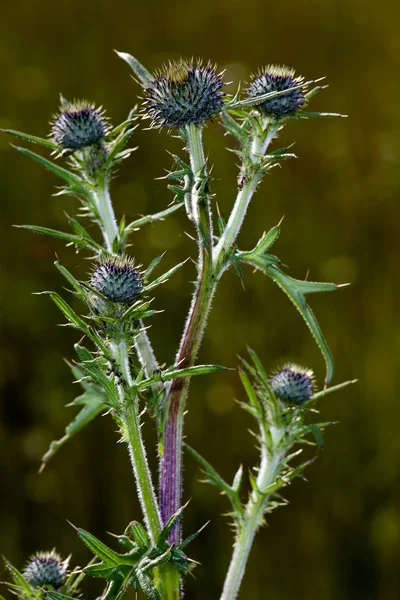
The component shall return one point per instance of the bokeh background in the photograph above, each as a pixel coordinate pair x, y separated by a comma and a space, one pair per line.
340, 535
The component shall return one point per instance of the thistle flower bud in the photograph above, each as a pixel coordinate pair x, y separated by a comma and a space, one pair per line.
118, 279
78, 125
183, 93
276, 79
292, 383
46, 569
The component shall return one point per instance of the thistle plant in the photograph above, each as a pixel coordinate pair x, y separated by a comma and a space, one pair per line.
115, 364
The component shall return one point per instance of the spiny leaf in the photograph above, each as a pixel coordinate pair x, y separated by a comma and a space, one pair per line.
108, 556
79, 241
214, 478
33, 139
164, 278
143, 75
138, 533
296, 291
152, 218
93, 404
19, 579
72, 180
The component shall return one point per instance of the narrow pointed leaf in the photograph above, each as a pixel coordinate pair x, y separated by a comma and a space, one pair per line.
81, 242
138, 533
18, 578
296, 291
144, 76
164, 278
57, 596
94, 404
152, 218
110, 558
72, 180
70, 278
33, 139
214, 478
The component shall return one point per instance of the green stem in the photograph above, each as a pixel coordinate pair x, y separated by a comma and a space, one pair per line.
228, 238
108, 223
200, 196
130, 418
171, 447
166, 579
255, 510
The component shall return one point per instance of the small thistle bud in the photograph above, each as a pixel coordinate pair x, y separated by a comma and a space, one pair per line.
276, 79
183, 93
118, 279
78, 125
292, 383
46, 569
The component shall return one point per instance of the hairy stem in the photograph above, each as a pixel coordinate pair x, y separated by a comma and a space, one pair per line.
210, 267
225, 244
108, 223
171, 447
255, 509
166, 579
129, 416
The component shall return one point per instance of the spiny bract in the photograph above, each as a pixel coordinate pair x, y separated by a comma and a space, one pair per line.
293, 383
183, 93
118, 279
46, 569
276, 79
78, 125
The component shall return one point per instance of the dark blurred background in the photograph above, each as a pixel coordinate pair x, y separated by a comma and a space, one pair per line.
340, 535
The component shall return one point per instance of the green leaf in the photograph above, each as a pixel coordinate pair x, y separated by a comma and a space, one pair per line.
58, 596
163, 278
316, 431
113, 155
72, 180
147, 586
19, 580
144, 76
94, 404
316, 115
191, 537
263, 97
91, 367
108, 556
267, 240
169, 526
234, 128
79, 241
296, 291
71, 279
33, 139
152, 218
329, 390
215, 479
174, 373
139, 534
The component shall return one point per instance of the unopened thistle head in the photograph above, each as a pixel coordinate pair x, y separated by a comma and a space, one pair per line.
183, 93
78, 125
46, 569
292, 383
118, 279
276, 79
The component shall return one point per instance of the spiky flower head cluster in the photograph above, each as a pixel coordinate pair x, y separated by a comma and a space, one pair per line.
184, 93
46, 569
118, 279
78, 125
274, 78
293, 384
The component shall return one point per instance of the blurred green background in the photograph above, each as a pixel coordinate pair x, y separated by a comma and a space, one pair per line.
340, 535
